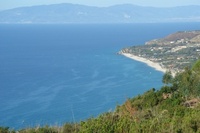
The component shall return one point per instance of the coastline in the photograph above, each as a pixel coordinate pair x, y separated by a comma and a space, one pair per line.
154, 65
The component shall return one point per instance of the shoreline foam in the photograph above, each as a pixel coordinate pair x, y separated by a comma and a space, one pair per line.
154, 65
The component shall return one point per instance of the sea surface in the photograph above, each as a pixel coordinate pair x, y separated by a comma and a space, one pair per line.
52, 74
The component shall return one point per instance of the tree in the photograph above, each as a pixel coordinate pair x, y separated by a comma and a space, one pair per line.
196, 67
167, 78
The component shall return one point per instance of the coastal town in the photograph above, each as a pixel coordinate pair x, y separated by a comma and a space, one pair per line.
172, 53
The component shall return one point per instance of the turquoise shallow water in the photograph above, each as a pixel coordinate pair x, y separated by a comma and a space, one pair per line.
51, 74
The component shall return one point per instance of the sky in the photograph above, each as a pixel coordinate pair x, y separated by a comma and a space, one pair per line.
8, 4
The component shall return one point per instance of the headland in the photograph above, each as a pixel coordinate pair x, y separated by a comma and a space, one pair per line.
172, 53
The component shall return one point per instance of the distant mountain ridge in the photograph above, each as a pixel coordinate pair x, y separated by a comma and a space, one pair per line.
73, 13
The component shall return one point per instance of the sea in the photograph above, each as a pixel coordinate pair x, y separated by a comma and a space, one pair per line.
51, 74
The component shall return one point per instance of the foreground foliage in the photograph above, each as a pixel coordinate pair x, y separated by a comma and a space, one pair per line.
174, 108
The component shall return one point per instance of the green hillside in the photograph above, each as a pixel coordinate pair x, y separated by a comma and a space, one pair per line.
174, 108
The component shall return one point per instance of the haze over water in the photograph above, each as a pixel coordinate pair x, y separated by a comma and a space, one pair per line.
51, 74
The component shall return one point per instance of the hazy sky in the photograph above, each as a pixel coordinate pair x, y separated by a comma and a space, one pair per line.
7, 4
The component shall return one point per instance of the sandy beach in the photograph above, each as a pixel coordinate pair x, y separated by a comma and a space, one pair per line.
148, 62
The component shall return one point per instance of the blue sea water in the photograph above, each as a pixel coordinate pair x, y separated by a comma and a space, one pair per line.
52, 74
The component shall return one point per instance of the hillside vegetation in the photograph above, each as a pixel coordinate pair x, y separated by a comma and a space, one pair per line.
174, 108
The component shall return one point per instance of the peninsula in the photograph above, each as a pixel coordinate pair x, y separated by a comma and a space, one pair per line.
171, 53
